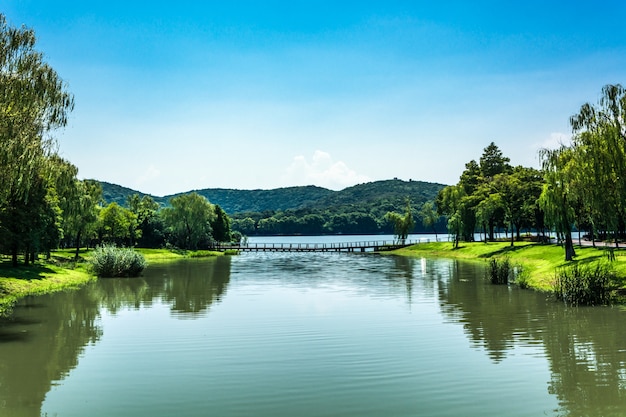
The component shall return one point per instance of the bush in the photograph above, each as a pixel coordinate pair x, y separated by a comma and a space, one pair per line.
585, 284
499, 271
110, 261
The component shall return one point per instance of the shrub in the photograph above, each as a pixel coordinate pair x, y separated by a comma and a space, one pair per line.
110, 261
499, 271
585, 284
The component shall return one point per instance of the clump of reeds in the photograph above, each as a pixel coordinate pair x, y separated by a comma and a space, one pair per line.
110, 261
591, 284
499, 271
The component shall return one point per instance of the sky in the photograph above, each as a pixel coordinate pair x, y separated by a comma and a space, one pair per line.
176, 96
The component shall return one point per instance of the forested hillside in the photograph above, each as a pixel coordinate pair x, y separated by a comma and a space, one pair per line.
387, 194
310, 210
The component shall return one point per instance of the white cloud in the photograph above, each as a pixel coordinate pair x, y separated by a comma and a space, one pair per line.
322, 171
150, 174
555, 141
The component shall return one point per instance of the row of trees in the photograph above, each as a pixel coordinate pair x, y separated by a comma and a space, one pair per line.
42, 202
190, 222
339, 220
490, 195
581, 185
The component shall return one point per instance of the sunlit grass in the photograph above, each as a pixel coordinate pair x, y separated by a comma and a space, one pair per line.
62, 271
41, 278
540, 261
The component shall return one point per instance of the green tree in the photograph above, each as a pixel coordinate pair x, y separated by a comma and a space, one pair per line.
402, 223
429, 217
188, 220
450, 204
149, 222
556, 193
492, 162
221, 225
117, 225
33, 103
599, 146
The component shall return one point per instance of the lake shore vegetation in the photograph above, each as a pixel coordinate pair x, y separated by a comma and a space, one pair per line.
541, 266
63, 271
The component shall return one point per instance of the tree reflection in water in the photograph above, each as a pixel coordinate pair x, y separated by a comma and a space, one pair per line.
67, 322
586, 347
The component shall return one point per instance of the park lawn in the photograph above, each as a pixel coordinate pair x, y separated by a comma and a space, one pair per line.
539, 261
61, 272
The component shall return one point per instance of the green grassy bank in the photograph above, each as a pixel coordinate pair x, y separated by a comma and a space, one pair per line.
539, 261
61, 273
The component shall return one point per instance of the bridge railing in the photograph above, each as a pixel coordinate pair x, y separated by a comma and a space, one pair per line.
328, 246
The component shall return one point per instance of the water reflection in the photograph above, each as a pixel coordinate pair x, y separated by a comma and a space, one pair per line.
47, 334
189, 287
585, 347
42, 344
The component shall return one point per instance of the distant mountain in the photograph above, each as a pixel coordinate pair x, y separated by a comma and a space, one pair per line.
387, 194
113, 193
237, 201
387, 190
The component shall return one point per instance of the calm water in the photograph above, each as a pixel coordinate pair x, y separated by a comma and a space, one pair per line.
332, 334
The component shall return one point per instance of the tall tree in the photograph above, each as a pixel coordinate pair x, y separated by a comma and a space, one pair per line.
402, 224
33, 103
429, 217
189, 220
492, 162
555, 197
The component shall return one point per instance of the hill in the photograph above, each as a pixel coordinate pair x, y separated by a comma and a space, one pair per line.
387, 194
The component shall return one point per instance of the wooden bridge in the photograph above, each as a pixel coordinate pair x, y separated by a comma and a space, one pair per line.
371, 246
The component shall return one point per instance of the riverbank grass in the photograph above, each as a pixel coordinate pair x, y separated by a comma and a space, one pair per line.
63, 272
40, 278
540, 262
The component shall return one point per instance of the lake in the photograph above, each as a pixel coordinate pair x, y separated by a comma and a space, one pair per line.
310, 334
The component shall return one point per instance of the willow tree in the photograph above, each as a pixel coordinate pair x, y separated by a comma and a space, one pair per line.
402, 223
556, 196
189, 219
600, 144
33, 103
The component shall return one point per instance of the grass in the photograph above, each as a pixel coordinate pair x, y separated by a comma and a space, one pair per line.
63, 272
41, 278
539, 262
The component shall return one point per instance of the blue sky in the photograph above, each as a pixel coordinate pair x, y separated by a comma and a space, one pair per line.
175, 96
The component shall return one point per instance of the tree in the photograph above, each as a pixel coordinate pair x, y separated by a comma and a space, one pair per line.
492, 162
599, 146
450, 203
33, 103
117, 225
188, 220
555, 196
402, 224
429, 216
220, 225
149, 223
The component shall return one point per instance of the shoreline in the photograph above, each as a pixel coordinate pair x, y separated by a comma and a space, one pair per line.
539, 261
61, 273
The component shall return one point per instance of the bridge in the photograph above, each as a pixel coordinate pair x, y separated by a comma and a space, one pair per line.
371, 246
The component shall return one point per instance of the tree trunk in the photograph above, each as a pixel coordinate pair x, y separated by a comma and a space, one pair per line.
14, 254
512, 236
569, 247
77, 244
